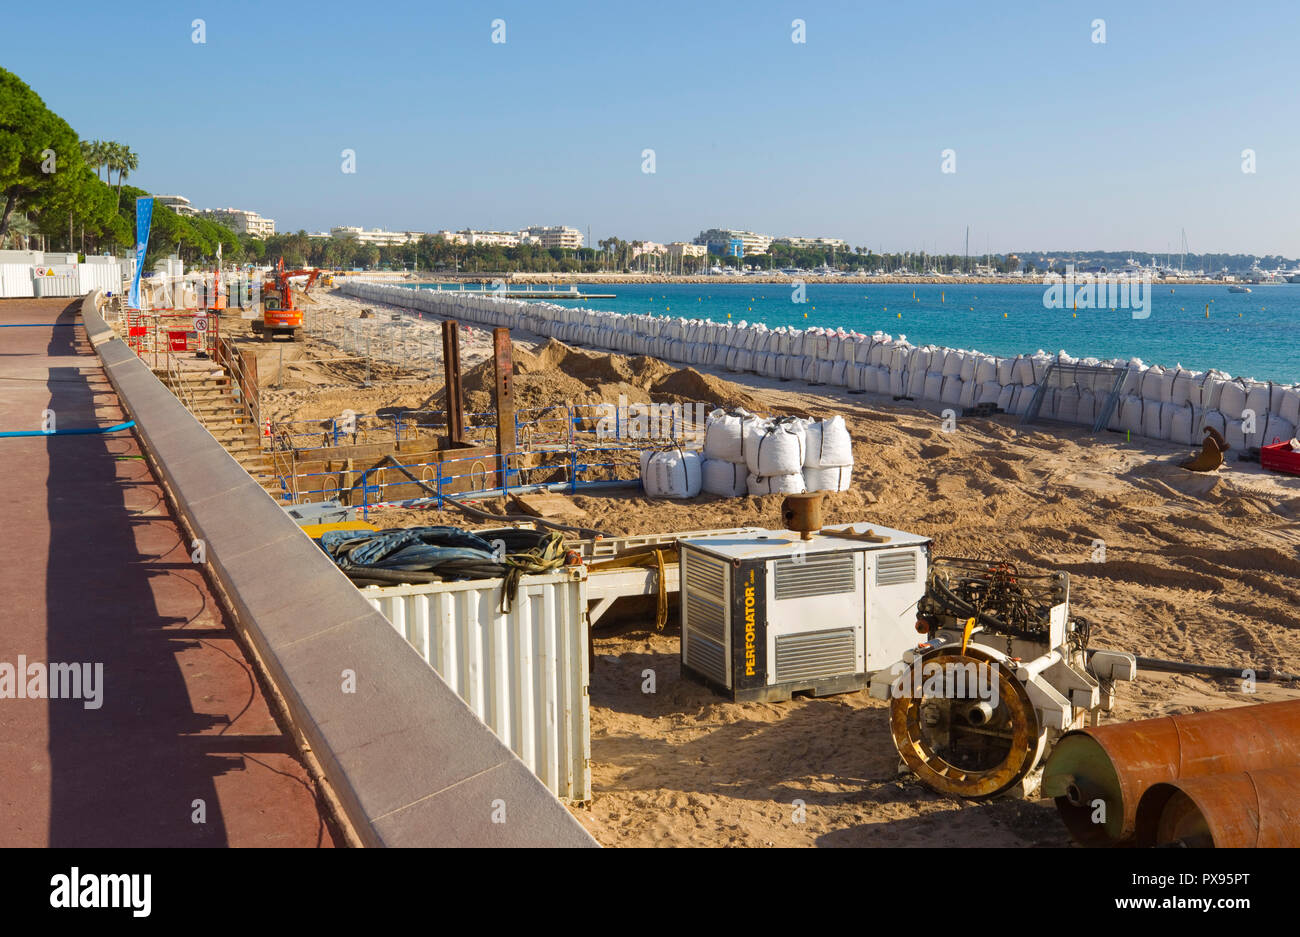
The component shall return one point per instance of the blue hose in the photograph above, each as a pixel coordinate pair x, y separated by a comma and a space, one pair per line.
72, 432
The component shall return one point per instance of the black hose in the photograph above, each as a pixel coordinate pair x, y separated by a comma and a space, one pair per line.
585, 532
362, 573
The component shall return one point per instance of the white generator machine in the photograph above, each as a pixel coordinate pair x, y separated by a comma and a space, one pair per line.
766, 614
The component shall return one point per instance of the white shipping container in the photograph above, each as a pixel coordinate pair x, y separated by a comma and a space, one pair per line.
523, 672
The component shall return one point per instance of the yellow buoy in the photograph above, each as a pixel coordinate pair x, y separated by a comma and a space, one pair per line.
1004, 315
900, 315
805, 315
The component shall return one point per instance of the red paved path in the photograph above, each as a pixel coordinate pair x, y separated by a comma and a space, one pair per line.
93, 568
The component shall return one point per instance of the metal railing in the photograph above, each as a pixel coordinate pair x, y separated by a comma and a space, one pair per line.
243, 388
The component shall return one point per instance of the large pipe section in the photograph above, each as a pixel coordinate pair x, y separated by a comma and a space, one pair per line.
1098, 775
1256, 809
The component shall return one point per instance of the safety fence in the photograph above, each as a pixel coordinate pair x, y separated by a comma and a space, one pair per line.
570, 446
559, 426
473, 476
163, 333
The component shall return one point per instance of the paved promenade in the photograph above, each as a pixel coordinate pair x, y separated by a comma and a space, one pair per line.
94, 569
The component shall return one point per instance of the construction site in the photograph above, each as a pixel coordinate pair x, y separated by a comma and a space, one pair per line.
485, 488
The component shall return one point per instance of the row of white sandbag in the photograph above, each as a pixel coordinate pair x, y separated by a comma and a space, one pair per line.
952, 377
776, 447
680, 473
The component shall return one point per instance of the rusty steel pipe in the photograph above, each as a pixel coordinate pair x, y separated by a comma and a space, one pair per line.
1098, 775
1257, 809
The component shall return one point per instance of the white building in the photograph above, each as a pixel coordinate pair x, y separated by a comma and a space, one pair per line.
177, 203
679, 249
719, 240
648, 247
838, 244
241, 221
549, 236
375, 236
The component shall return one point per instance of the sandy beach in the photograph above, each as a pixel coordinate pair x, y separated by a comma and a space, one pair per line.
1198, 568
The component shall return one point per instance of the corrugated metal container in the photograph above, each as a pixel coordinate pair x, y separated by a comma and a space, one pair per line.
523, 672
104, 276
16, 280
56, 286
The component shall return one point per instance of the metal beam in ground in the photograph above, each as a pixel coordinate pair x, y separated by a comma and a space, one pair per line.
503, 365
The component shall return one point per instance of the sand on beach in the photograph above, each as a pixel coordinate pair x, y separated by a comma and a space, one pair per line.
1197, 567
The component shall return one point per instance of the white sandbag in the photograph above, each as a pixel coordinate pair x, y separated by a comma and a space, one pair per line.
1260, 400
1185, 428
1065, 406
1235, 437
676, 473
953, 362
1089, 406
933, 387
831, 478
989, 392
1157, 419
826, 371
775, 447
986, 369
952, 391
1232, 399
838, 372
876, 353
969, 393
1041, 361
775, 484
1272, 429
728, 479
1129, 414
1149, 383
827, 443
969, 362
896, 385
1184, 387
1289, 404
1023, 370
1007, 370
1025, 396
1006, 396
1214, 419
724, 434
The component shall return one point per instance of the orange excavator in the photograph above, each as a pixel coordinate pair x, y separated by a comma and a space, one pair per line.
279, 315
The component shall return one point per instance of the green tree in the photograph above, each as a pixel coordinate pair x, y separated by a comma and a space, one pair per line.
40, 155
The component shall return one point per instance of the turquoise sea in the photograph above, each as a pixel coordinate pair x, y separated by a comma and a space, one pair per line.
1254, 334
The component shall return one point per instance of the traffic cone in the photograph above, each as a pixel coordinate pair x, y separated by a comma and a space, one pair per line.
266, 430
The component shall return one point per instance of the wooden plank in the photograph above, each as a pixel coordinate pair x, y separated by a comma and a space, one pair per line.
548, 505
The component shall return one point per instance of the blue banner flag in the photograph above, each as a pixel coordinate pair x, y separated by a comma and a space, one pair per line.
143, 218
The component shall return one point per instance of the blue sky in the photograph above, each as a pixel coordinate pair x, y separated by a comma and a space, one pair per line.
1060, 143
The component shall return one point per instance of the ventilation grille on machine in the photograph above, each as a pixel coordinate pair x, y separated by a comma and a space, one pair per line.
814, 574
818, 654
892, 569
704, 581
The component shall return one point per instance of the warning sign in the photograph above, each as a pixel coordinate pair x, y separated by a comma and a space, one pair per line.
200, 324
59, 270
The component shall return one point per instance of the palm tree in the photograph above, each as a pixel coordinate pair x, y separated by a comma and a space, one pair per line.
125, 161
21, 230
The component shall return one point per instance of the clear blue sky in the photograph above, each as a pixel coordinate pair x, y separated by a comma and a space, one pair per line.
1061, 143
